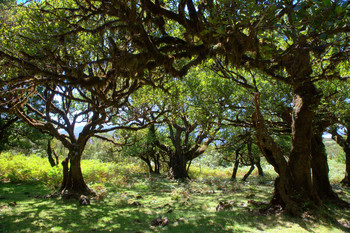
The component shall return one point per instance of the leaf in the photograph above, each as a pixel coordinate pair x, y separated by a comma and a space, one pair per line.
327, 2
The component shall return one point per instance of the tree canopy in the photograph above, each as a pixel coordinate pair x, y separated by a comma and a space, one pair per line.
96, 57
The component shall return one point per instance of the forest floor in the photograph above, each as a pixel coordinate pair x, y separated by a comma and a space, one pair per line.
183, 207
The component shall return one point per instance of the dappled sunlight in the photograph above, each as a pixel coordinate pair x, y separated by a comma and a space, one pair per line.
190, 207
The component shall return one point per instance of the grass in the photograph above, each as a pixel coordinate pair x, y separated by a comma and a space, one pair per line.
189, 207
131, 199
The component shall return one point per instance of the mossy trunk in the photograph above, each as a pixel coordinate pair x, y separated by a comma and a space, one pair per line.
320, 169
178, 168
305, 101
73, 184
294, 188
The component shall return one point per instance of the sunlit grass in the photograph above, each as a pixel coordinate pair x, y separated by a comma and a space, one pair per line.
129, 199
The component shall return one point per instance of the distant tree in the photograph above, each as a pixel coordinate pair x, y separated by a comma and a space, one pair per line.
141, 144
340, 128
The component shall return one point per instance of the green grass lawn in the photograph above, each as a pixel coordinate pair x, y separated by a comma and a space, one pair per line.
130, 199
190, 207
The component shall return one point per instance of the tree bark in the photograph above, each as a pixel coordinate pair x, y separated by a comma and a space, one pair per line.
245, 177
157, 163
73, 184
178, 166
251, 158
258, 165
149, 165
346, 180
49, 154
293, 187
305, 101
320, 169
284, 190
235, 167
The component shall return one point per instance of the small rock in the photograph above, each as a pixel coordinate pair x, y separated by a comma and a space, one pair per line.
13, 204
157, 221
84, 200
165, 221
136, 203
180, 220
169, 211
137, 220
224, 205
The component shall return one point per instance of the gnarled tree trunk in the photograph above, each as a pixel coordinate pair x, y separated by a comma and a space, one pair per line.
294, 187
305, 101
284, 190
73, 184
320, 169
178, 168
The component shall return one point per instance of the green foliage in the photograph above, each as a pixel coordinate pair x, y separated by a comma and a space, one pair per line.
21, 168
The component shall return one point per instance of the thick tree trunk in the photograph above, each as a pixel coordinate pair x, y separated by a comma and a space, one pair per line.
73, 184
293, 187
320, 169
284, 190
178, 166
305, 101
235, 167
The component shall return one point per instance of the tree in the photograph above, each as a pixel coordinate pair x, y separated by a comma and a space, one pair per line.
190, 129
142, 144
6, 122
339, 130
292, 42
274, 38
71, 75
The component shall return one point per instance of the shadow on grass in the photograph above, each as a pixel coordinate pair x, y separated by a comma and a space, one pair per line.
186, 211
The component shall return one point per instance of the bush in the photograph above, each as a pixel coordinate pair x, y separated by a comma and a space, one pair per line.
22, 168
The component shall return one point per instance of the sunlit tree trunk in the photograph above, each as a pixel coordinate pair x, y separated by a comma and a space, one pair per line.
73, 184
305, 101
